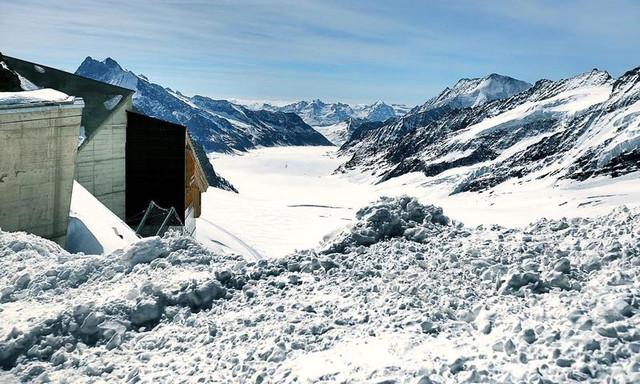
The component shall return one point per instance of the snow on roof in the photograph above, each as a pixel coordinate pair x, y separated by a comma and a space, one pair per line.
39, 96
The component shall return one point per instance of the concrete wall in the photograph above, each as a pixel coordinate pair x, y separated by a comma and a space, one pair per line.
38, 146
100, 166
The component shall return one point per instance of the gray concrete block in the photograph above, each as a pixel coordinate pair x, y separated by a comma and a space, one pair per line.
37, 168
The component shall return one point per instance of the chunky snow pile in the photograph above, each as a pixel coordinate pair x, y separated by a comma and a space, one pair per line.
555, 302
391, 217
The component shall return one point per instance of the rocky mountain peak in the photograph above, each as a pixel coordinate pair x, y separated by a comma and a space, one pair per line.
111, 63
108, 71
217, 125
594, 77
626, 89
476, 91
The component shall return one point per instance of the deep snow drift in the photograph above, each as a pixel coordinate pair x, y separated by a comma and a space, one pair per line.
405, 295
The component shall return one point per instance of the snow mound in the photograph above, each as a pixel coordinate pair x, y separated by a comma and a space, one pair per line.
93, 300
38, 96
93, 228
557, 301
387, 218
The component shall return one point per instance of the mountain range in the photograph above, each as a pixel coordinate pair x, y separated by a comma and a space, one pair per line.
483, 132
472, 136
218, 125
318, 113
334, 120
466, 93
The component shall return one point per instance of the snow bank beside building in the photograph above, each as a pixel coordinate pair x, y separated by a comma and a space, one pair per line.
554, 302
93, 228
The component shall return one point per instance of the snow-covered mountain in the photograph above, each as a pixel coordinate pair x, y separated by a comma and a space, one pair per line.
343, 131
219, 125
464, 94
317, 113
571, 129
474, 92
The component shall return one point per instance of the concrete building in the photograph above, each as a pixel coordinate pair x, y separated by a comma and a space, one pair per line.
100, 166
38, 137
125, 159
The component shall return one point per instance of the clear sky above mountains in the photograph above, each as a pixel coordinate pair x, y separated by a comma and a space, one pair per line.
353, 51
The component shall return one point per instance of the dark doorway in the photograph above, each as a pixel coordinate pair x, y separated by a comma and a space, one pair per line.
155, 166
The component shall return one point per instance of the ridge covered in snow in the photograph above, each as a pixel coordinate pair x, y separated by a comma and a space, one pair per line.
570, 129
468, 93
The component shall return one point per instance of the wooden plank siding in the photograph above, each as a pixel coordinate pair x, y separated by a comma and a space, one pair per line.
195, 179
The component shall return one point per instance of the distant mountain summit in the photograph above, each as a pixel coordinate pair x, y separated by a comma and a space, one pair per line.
336, 121
218, 125
108, 71
466, 93
318, 113
474, 92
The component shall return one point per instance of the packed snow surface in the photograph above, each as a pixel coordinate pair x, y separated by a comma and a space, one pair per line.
406, 294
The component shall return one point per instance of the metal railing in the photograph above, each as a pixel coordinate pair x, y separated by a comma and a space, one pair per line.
157, 220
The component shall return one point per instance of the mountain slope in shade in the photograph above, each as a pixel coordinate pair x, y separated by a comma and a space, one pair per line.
213, 179
571, 129
220, 126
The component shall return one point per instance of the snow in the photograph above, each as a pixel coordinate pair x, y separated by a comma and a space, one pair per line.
93, 228
564, 105
581, 98
218, 239
283, 190
451, 156
112, 102
290, 197
258, 104
553, 302
475, 92
46, 95
308, 275
336, 133
625, 136
318, 113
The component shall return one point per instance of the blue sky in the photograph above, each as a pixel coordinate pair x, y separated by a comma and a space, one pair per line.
353, 51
